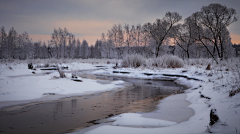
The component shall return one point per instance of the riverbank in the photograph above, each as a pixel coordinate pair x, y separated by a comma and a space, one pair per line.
20, 85
67, 114
207, 90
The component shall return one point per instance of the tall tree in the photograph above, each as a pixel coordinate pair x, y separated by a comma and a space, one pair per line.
161, 28
127, 36
77, 53
85, 49
3, 43
60, 38
186, 34
215, 18
12, 43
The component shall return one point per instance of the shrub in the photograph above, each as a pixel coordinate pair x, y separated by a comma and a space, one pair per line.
168, 61
134, 60
61, 73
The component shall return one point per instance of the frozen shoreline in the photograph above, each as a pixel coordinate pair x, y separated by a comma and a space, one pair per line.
20, 86
204, 95
155, 119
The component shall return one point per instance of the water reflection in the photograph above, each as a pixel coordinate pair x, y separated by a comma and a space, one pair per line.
79, 112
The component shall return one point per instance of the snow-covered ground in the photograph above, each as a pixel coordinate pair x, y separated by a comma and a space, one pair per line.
207, 89
19, 85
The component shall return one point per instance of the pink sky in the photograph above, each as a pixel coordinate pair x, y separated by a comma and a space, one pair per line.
82, 29
92, 39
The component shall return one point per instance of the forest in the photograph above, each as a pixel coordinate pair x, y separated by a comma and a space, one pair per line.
204, 34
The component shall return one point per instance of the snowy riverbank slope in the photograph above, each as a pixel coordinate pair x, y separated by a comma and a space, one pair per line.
18, 84
208, 89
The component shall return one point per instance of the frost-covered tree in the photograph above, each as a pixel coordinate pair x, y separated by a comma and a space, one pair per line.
186, 34
214, 20
71, 47
108, 46
116, 36
111, 44
84, 49
11, 43
24, 45
3, 43
37, 49
60, 38
44, 51
120, 40
127, 36
138, 32
160, 30
98, 49
77, 50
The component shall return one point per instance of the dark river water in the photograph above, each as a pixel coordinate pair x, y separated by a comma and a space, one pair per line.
68, 114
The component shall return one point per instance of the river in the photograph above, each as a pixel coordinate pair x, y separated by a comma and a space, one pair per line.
72, 113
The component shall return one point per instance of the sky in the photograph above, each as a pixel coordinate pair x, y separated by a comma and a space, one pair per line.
87, 19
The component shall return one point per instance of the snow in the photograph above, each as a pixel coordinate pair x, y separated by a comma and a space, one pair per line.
214, 86
134, 119
173, 108
18, 84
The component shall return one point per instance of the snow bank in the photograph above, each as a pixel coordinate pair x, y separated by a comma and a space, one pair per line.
17, 83
134, 119
209, 91
173, 108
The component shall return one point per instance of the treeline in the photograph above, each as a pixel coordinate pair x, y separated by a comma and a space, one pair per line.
14, 45
62, 45
203, 34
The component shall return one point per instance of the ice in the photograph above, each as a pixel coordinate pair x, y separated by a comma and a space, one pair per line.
173, 108
134, 119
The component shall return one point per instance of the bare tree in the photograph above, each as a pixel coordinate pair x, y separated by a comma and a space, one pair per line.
77, 51
138, 38
60, 39
84, 49
11, 43
120, 40
160, 29
71, 47
215, 18
186, 34
107, 46
127, 36
3, 43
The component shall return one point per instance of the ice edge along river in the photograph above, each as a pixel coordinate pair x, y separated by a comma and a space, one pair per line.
226, 107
